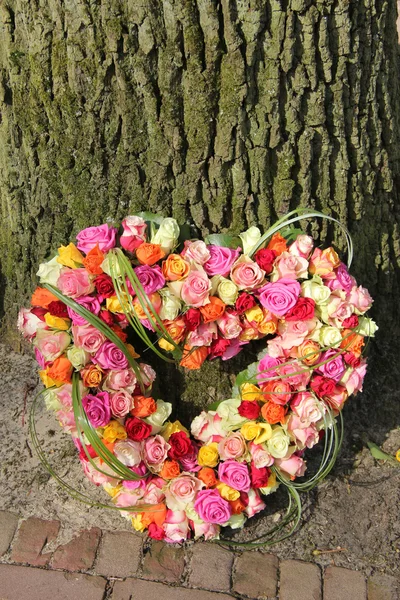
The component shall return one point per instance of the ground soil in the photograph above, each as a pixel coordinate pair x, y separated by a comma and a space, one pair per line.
356, 509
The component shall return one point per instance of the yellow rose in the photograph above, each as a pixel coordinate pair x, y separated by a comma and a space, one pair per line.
114, 431
137, 522
248, 334
170, 428
208, 455
48, 381
249, 392
166, 345
57, 322
112, 490
250, 430
269, 323
113, 304
227, 492
264, 433
70, 256
254, 314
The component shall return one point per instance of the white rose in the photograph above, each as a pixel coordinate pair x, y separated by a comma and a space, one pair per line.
128, 452
330, 337
157, 419
171, 305
227, 291
278, 443
313, 288
250, 238
49, 272
236, 521
367, 327
167, 234
228, 411
196, 251
78, 357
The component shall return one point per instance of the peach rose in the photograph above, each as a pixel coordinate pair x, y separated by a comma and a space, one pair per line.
193, 358
175, 268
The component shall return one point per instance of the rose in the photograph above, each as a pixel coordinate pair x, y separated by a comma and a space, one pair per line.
259, 432
229, 325
353, 378
195, 289
228, 411
289, 266
266, 368
306, 407
351, 322
265, 259
90, 303
149, 254
234, 474
203, 335
91, 375
244, 302
207, 476
322, 262
250, 238
49, 272
329, 336
162, 413
218, 347
196, 251
78, 357
143, 406
176, 331
308, 352
249, 410
337, 398
220, 261
128, 452
151, 278
360, 298
192, 319
293, 466
322, 386
304, 433
182, 491
109, 356
279, 297
227, 290
189, 461
211, 507
227, 492
205, 426
208, 455
302, 246
180, 445
156, 532
278, 443
137, 429
303, 310
155, 450
313, 288
246, 274
134, 233
87, 337
97, 408
261, 457
277, 391
170, 307
125, 378
58, 309
167, 234
42, 298
175, 268
51, 344
104, 285
343, 281
121, 403
176, 526
213, 310
366, 327
28, 323
103, 235
259, 476
233, 446
92, 262
295, 374
154, 494
74, 282
273, 413
333, 367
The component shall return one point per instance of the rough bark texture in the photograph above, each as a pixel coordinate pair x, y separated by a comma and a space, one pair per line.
225, 113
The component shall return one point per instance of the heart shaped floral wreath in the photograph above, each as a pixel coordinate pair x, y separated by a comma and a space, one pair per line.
190, 301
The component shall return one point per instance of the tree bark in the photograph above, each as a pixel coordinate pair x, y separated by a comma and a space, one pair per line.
225, 113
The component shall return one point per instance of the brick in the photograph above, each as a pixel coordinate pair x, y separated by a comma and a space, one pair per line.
8, 525
79, 553
299, 580
139, 590
343, 584
26, 583
32, 537
164, 563
119, 554
211, 567
256, 575
383, 587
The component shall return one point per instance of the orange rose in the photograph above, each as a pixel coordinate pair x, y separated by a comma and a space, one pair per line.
237, 506
277, 391
331, 255
170, 469
157, 515
61, 370
175, 268
214, 310
42, 297
176, 329
143, 407
92, 376
352, 342
277, 243
207, 476
93, 261
193, 358
273, 413
149, 254
309, 352
118, 331
154, 300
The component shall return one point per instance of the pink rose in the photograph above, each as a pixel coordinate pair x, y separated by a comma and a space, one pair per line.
182, 491
67, 420
151, 278
279, 297
229, 325
203, 335
103, 235
196, 289
196, 251
51, 344
293, 466
40, 359
124, 379
74, 282
87, 337
306, 435
147, 373
211, 507
28, 323
261, 457
233, 349
302, 246
266, 368
233, 446
361, 300
206, 426
176, 526
305, 406
289, 266
335, 367
246, 274
342, 281
220, 261
154, 491
97, 408
353, 378
255, 504
90, 303
131, 497
92, 473
139, 469
295, 373
64, 394
109, 356
235, 474
155, 451
209, 530
338, 310
134, 233
121, 403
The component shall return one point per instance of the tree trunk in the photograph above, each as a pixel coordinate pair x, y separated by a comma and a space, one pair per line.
225, 113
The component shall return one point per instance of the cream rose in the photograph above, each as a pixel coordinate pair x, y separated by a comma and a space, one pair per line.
250, 238
49, 272
278, 443
167, 234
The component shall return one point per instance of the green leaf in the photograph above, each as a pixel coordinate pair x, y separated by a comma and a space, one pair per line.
150, 217
225, 240
246, 376
379, 454
214, 405
291, 233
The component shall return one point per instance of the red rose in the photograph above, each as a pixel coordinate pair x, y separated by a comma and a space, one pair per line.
39, 312
156, 532
107, 317
137, 429
104, 285
244, 302
352, 360
351, 322
192, 319
259, 477
303, 310
58, 309
249, 409
265, 259
322, 386
180, 445
244, 497
218, 347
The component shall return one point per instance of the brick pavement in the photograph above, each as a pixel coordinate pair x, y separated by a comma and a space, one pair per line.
106, 565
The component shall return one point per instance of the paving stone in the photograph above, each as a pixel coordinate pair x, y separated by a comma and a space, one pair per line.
79, 553
383, 587
27, 583
211, 567
299, 580
256, 575
32, 537
343, 584
119, 554
135, 589
163, 562
8, 525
